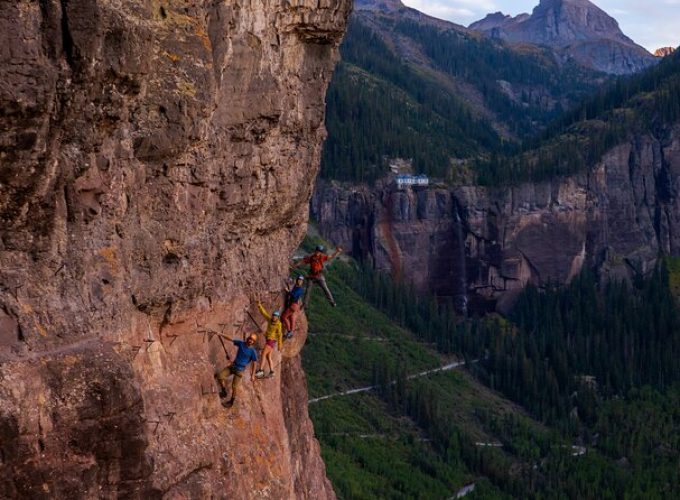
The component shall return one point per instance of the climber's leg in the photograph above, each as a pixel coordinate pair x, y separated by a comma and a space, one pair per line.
321, 281
266, 352
270, 345
308, 289
222, 377
289, 318
235, 382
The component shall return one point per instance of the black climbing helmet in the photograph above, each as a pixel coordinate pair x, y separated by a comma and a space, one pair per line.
321, 248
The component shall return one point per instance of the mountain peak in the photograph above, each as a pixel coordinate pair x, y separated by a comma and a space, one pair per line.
562, 22
496, 20
497, 16
578, 28
379, 5
559, 2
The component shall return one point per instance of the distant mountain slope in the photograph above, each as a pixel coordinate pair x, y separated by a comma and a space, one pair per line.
431, 437
416, 87
578, 29
645, 105
454, 434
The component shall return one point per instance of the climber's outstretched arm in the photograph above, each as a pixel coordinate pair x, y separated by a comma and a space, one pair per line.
263, 311
338, 251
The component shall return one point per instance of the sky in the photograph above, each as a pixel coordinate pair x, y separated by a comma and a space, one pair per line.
651, 23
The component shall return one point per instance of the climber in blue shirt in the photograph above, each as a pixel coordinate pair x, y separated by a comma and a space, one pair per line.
293, 305
246, 354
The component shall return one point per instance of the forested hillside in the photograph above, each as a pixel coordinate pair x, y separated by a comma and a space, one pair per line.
413, 87
594, 364
416, 88
575, 391
648, 103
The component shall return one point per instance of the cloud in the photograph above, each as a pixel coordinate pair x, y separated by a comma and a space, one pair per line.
467, 11
651, 23
460, 11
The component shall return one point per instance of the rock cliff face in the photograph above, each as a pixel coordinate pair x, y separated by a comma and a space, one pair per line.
381, 5
485, 245
664, 51
156, 159
578, 28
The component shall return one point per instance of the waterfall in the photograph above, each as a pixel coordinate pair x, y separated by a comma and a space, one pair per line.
460, 297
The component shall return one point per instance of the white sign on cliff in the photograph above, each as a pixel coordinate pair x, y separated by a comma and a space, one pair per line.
412, 180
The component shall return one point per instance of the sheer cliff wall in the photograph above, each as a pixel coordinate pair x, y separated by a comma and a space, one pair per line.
156, 162
616, 219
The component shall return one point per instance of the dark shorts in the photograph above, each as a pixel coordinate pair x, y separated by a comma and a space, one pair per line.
271, 343
228, 371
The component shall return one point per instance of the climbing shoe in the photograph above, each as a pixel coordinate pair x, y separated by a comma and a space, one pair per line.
259, 374
288, 335
223, 393
333, 304
270, 375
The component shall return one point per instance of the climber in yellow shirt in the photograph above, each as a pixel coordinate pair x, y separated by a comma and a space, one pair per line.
273, 336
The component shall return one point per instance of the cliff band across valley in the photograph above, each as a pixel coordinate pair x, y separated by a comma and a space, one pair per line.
618, 218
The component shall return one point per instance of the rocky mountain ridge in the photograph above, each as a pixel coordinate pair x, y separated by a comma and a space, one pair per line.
381, 5
577, 29
140, 144
664, 51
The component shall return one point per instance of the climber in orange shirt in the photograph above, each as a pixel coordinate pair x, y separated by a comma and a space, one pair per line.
317, 261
